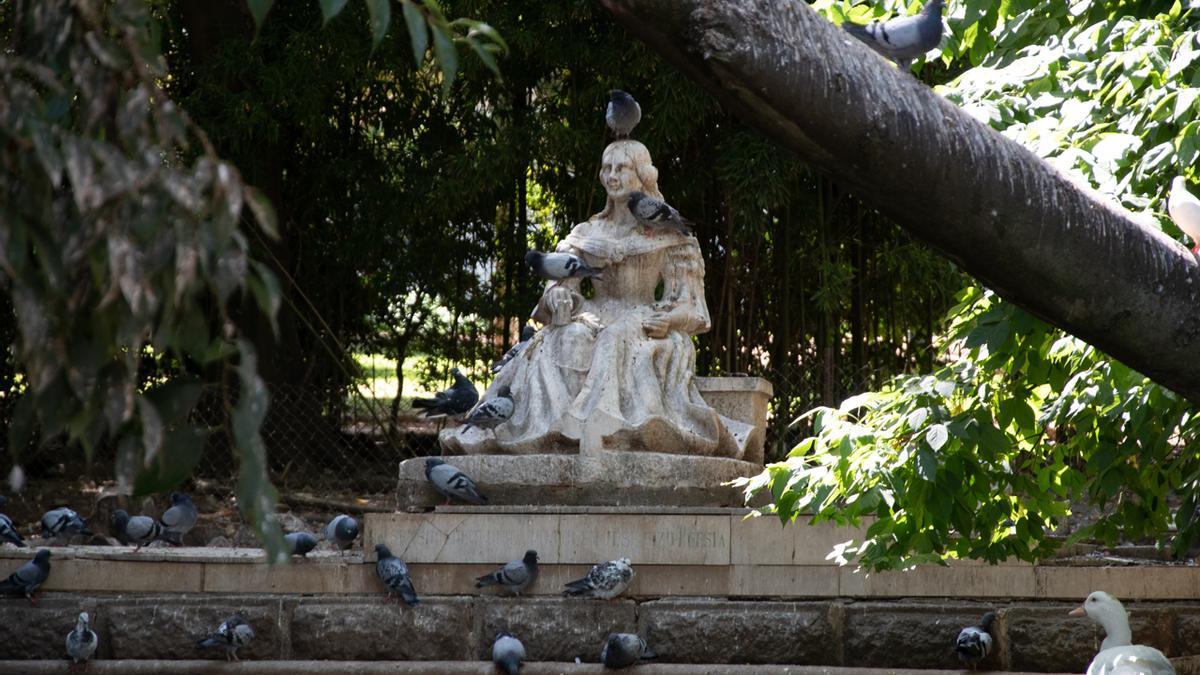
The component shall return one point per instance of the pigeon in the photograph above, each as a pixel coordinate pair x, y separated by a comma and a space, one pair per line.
492, 412
1184, 208
975, 642
233, 633
178, 519
28, 577
623, 113
136, 530
560, 266
527, 334
8, 531
394, 575
657, 214
451, 482
507, 653
300, 543
903, 38
342, 530
81, 643
456, 400
62, 522
605, 581
624, 649
515, 576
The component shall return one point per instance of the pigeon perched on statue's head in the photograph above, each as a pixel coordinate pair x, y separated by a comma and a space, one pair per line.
904, 38
622, 114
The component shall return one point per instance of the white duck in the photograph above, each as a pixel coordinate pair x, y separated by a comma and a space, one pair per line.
1184, 209
1118, 656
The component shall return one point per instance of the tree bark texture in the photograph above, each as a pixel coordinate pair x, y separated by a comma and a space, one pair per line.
1032, 234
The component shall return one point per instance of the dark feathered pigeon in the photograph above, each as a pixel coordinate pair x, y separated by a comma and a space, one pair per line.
177, 520
605, 581
342, 530
623, 113
657, 214
492, 412
62, 522
904, 38
975, 642
515, 576
300, 543
81, 644
527, 334
134, 530
394, 575
232, 634
622, 650
28, 577
451, 482
508, 653
8, 531
560, 266
456, 400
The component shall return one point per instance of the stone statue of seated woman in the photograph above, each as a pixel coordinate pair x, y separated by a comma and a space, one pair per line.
614, 371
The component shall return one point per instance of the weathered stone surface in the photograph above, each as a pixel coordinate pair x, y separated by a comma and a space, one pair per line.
1125, 583
1046, 638
744, 399
765, 541
555, 629
28, 632
436, 629
168, 627
739, 632
1187, 631
906, 635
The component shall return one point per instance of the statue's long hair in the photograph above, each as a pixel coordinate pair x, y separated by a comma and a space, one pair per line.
643, 167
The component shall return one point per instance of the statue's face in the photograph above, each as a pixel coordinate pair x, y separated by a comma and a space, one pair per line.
618, 174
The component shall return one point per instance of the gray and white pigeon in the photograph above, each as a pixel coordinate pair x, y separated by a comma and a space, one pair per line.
1184, 209
623, 113
394, 574
657, 214
513, 352
81, 644
508, 653
451, 482
494, 411
560, 266
622, 650
8, 531
29, 577
605, 581
456, 400
177, 520
300, 543
62, 522
515, 576
342, 530
903, 38
231, 635
134, 530
975, 642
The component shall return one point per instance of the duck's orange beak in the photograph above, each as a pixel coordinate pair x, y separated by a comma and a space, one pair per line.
1078, 611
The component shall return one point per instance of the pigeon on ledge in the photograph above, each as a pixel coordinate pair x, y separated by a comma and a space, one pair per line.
342, 530
492, 412
62, 522
232, 634
28, 577
134, 530
515, 576
180, 518
8, 531
507, 653
394, 575
975, 642
605, 581
622, 650
81, 644
451, 482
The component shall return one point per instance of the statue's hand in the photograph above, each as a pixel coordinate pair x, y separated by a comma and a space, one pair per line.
590, 320
657, 325
560, 302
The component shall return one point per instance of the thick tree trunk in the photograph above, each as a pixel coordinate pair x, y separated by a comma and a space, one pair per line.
1005, 216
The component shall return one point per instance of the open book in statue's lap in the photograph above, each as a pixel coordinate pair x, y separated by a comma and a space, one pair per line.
614, 370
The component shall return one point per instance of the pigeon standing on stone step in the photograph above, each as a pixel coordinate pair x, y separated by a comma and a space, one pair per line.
458, 399
29, 577
903, 38
81, 644
177, 520
342, 531
658, 215
394, 575
622, 114
300, 543
62, 522
134, 530
513, 352
231, 635
492, 412
605, 581
975, 642
508, 653
622, 650
515, 576
1184, 209
451, 482
8, 531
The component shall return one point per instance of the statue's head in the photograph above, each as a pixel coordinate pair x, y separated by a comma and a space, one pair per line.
626, 168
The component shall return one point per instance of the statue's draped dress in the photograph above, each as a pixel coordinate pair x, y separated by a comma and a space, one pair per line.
614, 386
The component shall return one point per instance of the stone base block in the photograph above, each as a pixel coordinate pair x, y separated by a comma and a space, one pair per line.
593, 479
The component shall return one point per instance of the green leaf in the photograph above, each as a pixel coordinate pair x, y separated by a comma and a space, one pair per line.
182, 449
330, 9
380, 12
258, 10
263, 210
175, 398
418, 31
927, 465
447, 56
936, 436
20, 432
